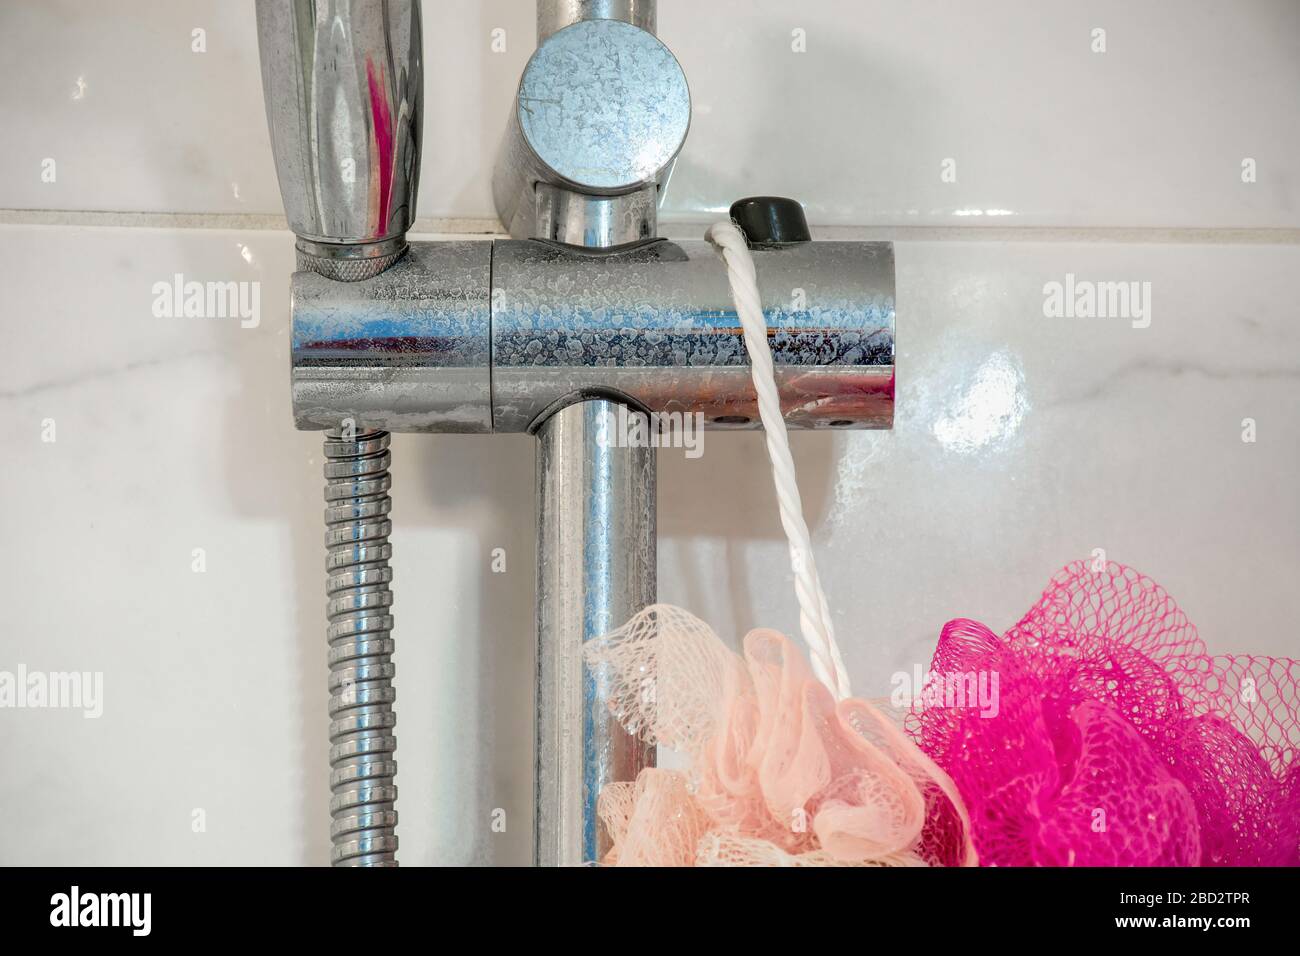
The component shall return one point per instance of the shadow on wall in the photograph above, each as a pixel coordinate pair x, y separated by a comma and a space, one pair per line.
727, 493
475, 493
506, 31
742, 147
273, 472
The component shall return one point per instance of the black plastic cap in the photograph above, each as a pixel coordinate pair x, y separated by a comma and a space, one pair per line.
770, 220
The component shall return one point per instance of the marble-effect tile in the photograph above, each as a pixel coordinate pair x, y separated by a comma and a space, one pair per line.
1021, 442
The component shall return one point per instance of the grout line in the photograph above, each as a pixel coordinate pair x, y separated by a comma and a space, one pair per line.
95, 218
683, 229
1108, 234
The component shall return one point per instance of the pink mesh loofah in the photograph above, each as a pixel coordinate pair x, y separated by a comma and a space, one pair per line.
780, 773
1117, 740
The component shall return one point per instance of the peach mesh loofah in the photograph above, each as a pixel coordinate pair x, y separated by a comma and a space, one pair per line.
781, 774
1117, 739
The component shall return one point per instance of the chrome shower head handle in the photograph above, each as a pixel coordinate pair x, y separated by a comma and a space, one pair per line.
342, 81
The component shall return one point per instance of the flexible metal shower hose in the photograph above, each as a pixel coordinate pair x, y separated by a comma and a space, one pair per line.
362, 721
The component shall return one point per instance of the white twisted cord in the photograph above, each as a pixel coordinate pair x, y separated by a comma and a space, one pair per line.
814, 612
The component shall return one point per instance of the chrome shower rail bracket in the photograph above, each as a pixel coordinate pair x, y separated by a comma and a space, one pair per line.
585, 314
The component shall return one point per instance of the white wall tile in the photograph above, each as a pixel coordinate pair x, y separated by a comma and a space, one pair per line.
1043, 130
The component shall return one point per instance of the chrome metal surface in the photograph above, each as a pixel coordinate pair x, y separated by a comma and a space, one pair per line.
478, 336
553, 15
595, 569
342, 81
604, 222
349, 263
603, 109
362, 722
407, 350
657, 324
